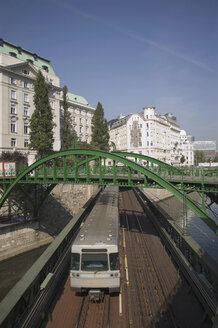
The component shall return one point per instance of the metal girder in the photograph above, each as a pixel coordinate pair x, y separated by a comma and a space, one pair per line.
149, 159
116, 158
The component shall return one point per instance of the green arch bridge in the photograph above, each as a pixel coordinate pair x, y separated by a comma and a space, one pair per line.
94, 167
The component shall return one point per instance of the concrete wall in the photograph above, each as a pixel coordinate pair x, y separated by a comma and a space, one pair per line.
157, 194
20, 237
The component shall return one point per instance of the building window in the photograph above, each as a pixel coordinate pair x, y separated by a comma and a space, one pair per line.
147, 143
25, 72
140, 144
26, 97
147, 134
151, 143
13, 94
45, 68
26, 142
13, 109
13, 54
13, 142
26, 111
26, 128
52, 105
80, 129
26, 85
13, 126
13, 80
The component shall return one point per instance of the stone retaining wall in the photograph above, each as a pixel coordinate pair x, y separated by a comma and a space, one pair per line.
59, 208
157, 194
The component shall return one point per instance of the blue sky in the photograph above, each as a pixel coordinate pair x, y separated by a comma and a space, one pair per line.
128, 54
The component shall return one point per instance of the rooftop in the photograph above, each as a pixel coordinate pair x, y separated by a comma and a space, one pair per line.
75, 98
10, 49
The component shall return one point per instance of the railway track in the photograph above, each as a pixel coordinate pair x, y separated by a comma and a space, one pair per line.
152, 292
152, 281
96, 315
146, 287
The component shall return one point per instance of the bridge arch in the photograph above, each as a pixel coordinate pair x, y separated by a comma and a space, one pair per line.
116, 158
149, 159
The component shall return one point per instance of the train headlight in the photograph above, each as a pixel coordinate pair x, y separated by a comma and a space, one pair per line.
112, 275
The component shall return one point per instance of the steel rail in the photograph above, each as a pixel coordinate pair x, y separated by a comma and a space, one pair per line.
204, 296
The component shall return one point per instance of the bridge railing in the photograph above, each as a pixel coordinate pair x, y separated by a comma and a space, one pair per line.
58, 169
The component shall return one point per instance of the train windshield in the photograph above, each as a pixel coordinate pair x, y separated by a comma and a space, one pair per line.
75, 258
114, 261
94, 262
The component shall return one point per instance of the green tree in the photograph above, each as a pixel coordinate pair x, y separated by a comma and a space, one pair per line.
199, 157
100, 134
41, 123
67, 133
16, 156
215, 159
182, 159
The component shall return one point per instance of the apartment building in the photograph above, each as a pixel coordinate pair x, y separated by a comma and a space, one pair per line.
186, 149
208, 147
18, 69
81, 113
148, 133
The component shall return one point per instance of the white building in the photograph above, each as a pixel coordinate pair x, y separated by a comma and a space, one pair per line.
148, 133
186, 149
208, 147
18, 69
81, 113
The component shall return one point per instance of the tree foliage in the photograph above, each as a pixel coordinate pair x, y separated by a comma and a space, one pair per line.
216, 159
100, 134
16, 156
182, 159
67, 133
199, 157
41, 123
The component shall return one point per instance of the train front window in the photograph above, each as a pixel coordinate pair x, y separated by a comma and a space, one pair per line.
94, 262
114, 261
75, 257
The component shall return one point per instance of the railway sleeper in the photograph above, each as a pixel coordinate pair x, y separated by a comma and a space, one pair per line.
96, 295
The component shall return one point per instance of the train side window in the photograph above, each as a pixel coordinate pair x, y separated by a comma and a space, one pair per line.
75, 259
114, 261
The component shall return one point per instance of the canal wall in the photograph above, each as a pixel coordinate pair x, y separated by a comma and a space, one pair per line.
58, 209
157, 194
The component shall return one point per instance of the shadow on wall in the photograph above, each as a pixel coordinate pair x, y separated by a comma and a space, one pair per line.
61, 205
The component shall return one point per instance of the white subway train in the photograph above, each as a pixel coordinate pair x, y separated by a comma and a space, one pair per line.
94, 253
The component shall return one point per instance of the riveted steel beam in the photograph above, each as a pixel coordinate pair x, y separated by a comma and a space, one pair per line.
116, 158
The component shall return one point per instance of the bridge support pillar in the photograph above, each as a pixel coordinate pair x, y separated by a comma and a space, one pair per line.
203, 206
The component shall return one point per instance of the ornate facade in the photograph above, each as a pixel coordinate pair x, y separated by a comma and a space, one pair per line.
18, 69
